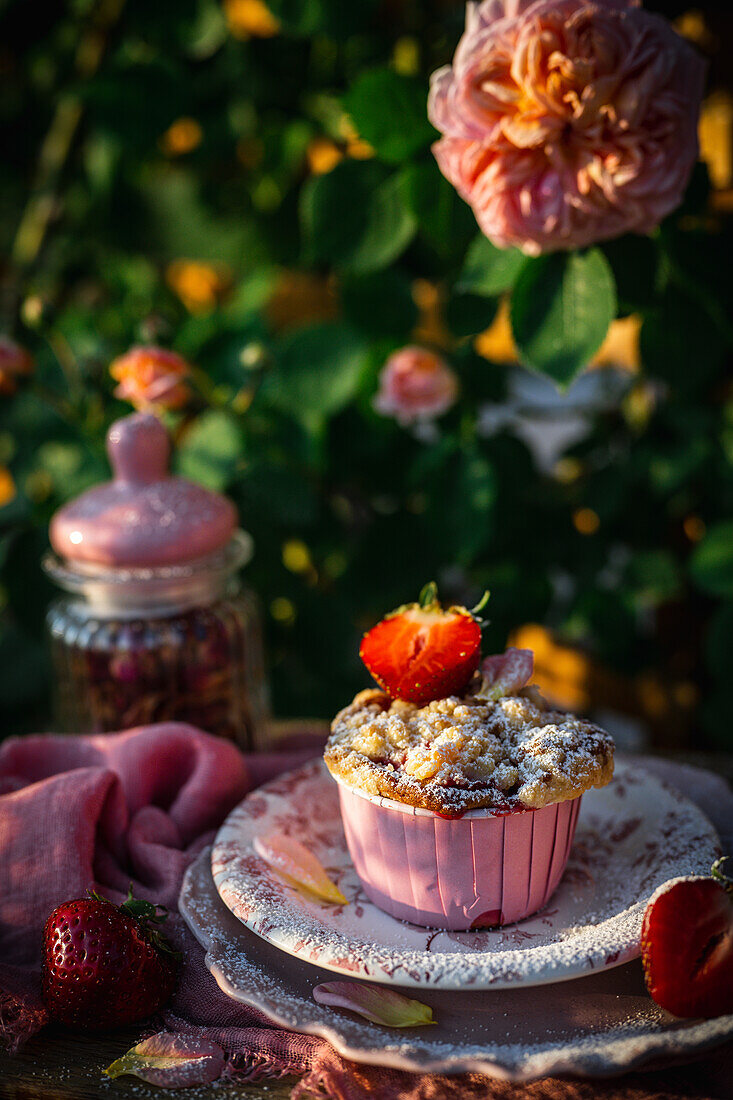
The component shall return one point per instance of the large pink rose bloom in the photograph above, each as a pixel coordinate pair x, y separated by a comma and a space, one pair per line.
415, 384
567, 122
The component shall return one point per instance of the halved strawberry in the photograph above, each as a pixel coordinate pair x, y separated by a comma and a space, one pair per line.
687, 945
421, 652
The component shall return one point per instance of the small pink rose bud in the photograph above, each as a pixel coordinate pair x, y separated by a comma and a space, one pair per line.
415, 384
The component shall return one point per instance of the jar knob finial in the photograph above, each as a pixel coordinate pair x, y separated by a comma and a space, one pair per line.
139, 449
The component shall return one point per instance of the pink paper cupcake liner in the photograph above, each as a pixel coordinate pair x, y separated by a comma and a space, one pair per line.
484, 869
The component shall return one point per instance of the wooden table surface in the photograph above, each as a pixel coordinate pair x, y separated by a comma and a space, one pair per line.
58, 1065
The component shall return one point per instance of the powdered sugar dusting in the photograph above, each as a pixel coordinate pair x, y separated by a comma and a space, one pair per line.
605, 1024
456, 754
632, 836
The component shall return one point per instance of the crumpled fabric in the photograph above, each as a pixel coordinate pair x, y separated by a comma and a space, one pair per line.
103, 812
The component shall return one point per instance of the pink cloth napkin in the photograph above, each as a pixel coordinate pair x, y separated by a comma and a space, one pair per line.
82, 812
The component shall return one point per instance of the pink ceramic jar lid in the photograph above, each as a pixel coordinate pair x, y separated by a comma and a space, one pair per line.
143, 517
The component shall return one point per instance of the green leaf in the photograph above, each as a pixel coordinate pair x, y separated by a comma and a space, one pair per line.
179, 222
355, 218
171, 1061
390, 112
444, 219
211, 449
322, 17
390, 227
317, 372
135, 102
718, 650
673, 336
298, 16
676, 463
490, 270
562, 306
279, 494
468, 314
634, 261
380, 303
655, 576
464, 487
22, 665
698, 262
473, 505
711, 564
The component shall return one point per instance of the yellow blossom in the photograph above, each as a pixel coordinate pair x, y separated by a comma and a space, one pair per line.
300, 298
356, 147
586, 521
199, 285
360, 149
716, 138
406, 56
694, 528
7, 486
323, 155
282, 610
250, 19
183, 136
562, 673
296, 557
567, 470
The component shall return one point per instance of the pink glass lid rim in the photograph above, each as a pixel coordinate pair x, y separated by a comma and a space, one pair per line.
143, 517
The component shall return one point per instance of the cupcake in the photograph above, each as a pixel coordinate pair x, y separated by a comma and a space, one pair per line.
459, 785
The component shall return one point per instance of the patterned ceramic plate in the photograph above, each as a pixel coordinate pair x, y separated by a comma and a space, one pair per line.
632, 836
605, 1023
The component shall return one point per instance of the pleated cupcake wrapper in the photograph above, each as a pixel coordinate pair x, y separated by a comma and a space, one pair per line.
482, 869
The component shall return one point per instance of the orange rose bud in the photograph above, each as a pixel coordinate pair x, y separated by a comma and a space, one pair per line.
151, 378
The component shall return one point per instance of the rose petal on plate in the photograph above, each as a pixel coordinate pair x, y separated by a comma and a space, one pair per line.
171, 1061
299, 866
506, 673
375, 1003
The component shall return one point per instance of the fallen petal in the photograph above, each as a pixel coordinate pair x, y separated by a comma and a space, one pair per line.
375, 1003
298, 866
506, 673
171, 1061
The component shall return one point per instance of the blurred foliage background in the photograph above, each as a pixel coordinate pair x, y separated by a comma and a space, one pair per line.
253, 186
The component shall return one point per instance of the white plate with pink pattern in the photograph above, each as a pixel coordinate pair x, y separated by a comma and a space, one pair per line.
632, 836
603, 1024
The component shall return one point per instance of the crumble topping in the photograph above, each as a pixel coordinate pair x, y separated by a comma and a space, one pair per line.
457, 754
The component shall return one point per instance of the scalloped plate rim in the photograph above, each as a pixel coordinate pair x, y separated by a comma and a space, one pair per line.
695, 1039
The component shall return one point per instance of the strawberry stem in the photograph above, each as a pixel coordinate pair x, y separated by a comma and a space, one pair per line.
476, 611
143, 910
428, 595
158, 940
719, 875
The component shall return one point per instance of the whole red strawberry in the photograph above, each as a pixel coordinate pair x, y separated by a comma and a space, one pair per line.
103, 965
421, 652
687, 945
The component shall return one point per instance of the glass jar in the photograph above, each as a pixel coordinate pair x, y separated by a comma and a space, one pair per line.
136, 645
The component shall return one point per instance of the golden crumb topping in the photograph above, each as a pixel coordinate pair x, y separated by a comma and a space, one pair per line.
457, 754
